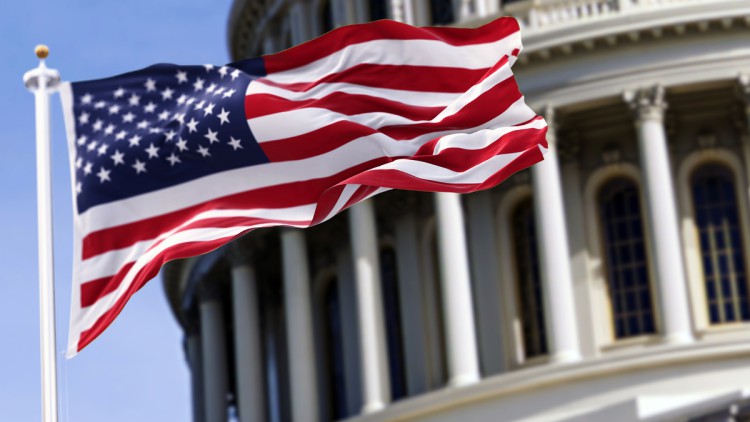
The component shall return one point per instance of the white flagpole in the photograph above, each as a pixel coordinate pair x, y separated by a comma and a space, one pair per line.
42, 82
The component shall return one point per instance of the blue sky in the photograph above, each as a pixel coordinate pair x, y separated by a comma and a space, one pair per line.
136, 370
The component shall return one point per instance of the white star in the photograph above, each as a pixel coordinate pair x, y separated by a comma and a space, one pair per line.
149, 108
173, 159
117, 157
114, 109
182, 145
181, 77
143, 124
134, 100
127, 118
182, 99
87, 98
235, 74
82, 139
152, 151
203, 151
223, 71
208, 67
110, 129
121, 135
170, 135
92, 145
180, 117
167, 94
102, 149
150, 85
100, 104
235, 143
87, 168
211, 136
209, 109
200, 105
134, 140
154, 130
223, 116
103, 175
164, 115
229, 93
139, 166
119, 92
79, 162
198, 85
211, 88
78, 187
83, 118
190, 100
219, 91
192, 125
98, 125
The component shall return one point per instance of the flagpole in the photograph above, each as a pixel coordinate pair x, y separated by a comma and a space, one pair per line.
42, 82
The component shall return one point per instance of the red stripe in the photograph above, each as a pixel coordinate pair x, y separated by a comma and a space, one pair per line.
92, 290
397, 179
279, 196
490, 104
257, 105
403, 77
354, 34
149, 271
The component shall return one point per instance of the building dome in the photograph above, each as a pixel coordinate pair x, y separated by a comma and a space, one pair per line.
608, 282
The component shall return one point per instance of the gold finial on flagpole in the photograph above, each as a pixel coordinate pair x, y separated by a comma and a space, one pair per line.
42, 51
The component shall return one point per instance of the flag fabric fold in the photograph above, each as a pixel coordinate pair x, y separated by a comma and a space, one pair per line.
174, 161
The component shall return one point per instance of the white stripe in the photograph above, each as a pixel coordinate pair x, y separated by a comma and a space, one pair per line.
226, 183
107, 264
424, 99
482, 138
346, 194
402, 52
474, 175
495, 78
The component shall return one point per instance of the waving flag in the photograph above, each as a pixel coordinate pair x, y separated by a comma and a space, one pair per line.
174, 161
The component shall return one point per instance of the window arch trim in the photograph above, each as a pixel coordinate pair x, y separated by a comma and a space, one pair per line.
691, 241
604, 332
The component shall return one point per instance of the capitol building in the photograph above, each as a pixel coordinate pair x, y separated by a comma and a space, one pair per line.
607, 283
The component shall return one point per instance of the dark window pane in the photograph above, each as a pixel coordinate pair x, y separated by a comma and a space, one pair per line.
442, 12
528, 282
721, 245
627, 271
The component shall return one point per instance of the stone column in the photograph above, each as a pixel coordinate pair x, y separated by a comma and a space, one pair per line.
649, 107
248, 349
299, 327
214, 353
554, 256
458, 308
376, 392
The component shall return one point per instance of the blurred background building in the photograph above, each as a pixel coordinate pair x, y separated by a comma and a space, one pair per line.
607, 283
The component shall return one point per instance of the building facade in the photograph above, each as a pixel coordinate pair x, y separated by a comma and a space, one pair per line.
608, 282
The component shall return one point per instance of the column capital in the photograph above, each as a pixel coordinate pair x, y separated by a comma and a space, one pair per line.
552, 125
743, 92
647, 103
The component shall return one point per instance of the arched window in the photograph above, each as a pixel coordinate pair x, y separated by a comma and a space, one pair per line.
528, 280
392, 313
625, 252
717, 220
333, 351
442, 12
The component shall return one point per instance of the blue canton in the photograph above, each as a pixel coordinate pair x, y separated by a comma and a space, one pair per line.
160, 126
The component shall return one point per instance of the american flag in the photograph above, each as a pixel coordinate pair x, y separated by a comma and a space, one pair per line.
174, 161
